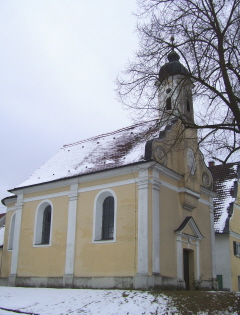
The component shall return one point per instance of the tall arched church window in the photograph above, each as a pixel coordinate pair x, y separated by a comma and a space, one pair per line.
46, 225
168, 103
104, 224
108, 218
43, 224
11, 232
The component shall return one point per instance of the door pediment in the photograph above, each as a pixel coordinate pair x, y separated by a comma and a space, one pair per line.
189, 228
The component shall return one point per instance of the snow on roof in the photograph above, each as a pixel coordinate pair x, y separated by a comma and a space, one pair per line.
224, 178
119, 148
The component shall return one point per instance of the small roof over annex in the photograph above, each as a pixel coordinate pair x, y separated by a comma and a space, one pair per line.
225, 179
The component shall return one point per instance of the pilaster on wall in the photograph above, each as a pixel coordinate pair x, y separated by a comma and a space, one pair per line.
211, 208
143, 186
71, 236
198, 273
16, 239
179, 259
155, 222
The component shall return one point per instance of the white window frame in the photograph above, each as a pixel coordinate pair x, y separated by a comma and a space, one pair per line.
11, 232
39, 224
97, 216
237, 249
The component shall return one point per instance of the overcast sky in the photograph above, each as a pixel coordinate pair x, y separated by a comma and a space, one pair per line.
59, 60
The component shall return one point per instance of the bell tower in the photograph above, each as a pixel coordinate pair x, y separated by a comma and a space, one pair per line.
174, 89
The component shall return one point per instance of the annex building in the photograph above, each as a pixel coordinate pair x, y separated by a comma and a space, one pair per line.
226, 180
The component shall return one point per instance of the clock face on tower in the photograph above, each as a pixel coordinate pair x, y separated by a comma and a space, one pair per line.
191, 161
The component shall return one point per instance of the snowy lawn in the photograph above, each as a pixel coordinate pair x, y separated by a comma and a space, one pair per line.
41, 301
68, 301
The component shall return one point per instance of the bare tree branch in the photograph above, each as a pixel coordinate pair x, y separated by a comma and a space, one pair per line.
207, 37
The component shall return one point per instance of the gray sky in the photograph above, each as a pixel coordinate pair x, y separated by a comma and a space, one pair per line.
59, 60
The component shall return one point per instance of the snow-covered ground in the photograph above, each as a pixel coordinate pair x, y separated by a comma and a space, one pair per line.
69, 301
42, 301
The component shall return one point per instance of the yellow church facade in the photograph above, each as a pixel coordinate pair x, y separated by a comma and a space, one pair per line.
128, 209
158, 220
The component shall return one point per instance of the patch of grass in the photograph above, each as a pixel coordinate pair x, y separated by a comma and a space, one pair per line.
194, 302
125, 294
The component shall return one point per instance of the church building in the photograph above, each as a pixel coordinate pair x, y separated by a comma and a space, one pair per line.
128, 209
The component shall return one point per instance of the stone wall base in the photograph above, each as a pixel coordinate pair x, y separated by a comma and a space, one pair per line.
142, 282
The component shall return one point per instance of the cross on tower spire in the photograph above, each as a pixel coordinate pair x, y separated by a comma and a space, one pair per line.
172, 40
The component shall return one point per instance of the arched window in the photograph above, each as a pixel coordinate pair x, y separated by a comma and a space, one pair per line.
188, 97
11, 232
108, 218
46, 225
43, 224
168, 103
104, 225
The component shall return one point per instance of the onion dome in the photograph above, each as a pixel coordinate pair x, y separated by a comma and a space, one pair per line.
172, 67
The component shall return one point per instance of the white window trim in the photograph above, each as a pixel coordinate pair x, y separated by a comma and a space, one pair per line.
237, 249
11, 232
38, 227
97, 216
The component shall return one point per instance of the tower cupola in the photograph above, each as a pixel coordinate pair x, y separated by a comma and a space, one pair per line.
172, 67
174, 89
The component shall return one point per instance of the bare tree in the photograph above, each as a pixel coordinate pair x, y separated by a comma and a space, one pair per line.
207, 39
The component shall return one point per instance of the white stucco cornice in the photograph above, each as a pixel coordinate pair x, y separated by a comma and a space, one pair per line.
9, 200
130, 169
208, 192
108, 185
188, 191
237, 206
47, 196
83, 178
205, 202
234, 234
97, 176
124, 170
156, 183
11, 209
166, 171
46, 186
